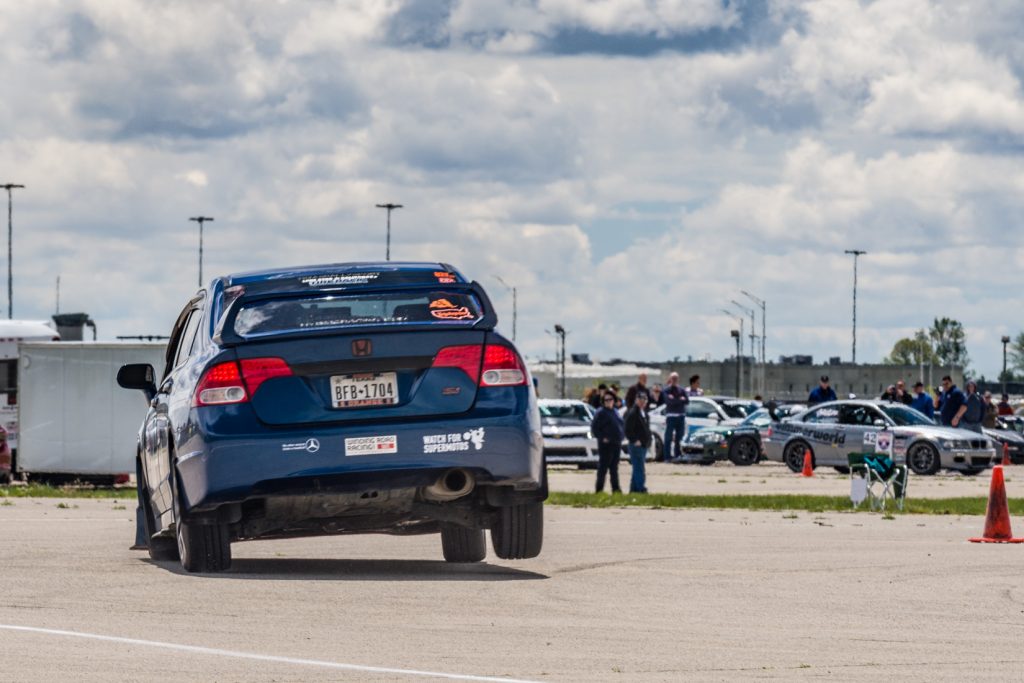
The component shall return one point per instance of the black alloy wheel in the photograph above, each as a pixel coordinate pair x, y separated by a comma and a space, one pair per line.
923, 458
744, 451
793, 456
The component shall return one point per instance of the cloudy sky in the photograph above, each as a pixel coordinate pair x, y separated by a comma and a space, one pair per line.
629, 165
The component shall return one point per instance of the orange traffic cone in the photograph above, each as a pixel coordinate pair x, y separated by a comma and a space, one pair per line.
997, 516
808, 467
1006, 455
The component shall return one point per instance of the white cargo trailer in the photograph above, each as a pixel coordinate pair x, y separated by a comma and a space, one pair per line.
75, 419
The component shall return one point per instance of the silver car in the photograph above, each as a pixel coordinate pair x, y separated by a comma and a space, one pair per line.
833, 430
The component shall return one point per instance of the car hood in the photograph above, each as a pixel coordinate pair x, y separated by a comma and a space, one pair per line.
1004, 435
939, 432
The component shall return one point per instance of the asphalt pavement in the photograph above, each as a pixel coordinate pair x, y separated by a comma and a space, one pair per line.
617, 595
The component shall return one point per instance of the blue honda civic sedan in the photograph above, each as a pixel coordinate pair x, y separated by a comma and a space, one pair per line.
339, 399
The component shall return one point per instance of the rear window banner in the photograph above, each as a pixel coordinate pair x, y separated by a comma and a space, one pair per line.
262, 318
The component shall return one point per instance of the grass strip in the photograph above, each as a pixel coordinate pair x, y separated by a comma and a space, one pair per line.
46, 491
772, 502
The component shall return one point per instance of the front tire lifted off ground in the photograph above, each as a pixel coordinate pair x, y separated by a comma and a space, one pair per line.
462, 544
518, 532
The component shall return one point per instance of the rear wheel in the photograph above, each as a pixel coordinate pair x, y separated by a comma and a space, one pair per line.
794, 456
461, 544
922, 458
658, 448
202, 548
518, 532
744, 451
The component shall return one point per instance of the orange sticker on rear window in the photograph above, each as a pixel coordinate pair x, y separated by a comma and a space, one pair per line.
442, 303
454, 313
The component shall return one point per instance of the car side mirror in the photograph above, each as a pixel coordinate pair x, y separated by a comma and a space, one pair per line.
138, 376
879, 423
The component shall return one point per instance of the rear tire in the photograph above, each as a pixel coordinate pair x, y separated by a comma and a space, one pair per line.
658, 448
793, 456
744, 451
518, 533
461, 544
204, 548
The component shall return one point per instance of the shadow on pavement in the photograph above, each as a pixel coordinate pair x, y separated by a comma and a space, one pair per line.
359, 570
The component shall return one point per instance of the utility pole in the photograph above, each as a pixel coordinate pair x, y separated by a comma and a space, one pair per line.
753, 336
200, 220
560, 331
764, 336
1005, 340
10, 242
58, 295
514, 304
739, 350
855, 253
390, 207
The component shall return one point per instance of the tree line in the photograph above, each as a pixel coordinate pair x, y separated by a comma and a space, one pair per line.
945, 344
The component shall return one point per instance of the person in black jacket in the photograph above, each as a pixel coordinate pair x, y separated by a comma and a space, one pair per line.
607, 428
638, 434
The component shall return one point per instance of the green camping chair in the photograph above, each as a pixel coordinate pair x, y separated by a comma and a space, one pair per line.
882, 479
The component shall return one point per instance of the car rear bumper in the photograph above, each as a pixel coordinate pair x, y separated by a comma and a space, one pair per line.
503, 451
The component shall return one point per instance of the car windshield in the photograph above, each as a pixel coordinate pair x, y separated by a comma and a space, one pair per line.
575, 411
757, 418
904, 417
261, 318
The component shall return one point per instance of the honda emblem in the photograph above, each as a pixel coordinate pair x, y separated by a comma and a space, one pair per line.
362, 347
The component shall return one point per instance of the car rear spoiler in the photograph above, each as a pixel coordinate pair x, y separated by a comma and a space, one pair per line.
225, 335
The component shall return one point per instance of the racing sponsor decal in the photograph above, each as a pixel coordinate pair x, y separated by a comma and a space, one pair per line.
446, 310
309, 445
883, 442
824, 436
451, 443
371, 445
444, 277
347, 279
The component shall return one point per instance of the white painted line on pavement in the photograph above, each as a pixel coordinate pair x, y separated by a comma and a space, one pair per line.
263, 658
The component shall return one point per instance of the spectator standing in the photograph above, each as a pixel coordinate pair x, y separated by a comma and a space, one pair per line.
639, 388
1004, 406
972, 412
656, 398
609, 431
902, 395
638, 434
676, 401
821, 393
922, 401
951, 400
988, 420
694, 388
595, 398
889, 394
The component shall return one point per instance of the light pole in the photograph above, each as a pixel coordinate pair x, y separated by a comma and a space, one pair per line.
10, 242
514, 304
764, 336
753, 336
390, 207
1005, 340
560, 331
739, 352
855, 253
200, 220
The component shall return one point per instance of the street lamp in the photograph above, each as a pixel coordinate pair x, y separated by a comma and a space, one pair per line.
514, 304
200, 220
560, 331
753, 336
855, 253
739, 351
390, 207
1005, 340
764, 336
10, 241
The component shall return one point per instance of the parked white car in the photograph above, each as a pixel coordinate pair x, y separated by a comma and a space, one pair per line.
700, 412
565, 425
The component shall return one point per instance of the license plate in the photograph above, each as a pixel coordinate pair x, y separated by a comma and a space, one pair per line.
370, 389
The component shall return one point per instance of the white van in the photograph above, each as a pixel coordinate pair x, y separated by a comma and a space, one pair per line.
13, 332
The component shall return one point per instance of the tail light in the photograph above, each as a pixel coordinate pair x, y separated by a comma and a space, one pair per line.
501, 365
226, 383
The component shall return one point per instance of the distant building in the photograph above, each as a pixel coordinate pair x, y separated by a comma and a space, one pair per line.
581, 376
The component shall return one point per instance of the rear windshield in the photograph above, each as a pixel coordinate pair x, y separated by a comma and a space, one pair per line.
261, 318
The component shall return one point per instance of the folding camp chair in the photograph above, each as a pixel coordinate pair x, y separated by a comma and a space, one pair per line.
881, 477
